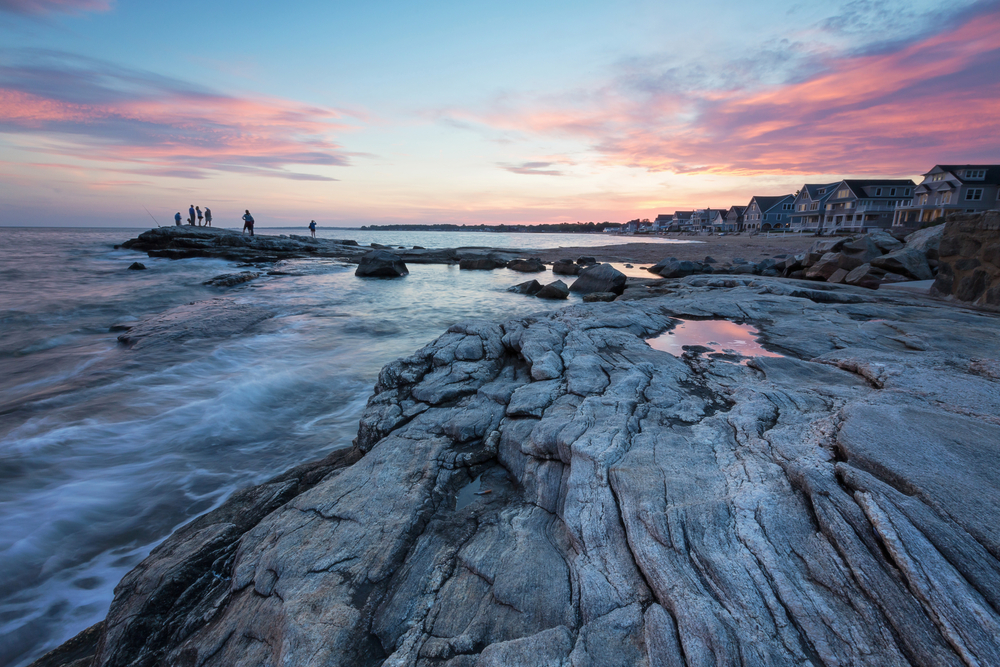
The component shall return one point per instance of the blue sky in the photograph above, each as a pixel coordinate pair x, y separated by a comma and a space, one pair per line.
353, 113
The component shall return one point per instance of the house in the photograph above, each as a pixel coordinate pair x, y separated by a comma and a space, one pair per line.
662, 222
682, 221
703, 219
864, 205
734, 218
947, 189
764, 214
810, 205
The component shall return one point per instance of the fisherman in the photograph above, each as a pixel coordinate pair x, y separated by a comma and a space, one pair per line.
177, 219
248, 222
191, 215
312, 228
198, 210
208, 217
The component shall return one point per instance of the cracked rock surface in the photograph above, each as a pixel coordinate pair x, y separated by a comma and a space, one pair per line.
839, 505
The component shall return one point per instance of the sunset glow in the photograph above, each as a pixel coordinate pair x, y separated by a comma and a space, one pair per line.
388, 114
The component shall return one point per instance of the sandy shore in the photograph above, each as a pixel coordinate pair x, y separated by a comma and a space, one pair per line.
722, 249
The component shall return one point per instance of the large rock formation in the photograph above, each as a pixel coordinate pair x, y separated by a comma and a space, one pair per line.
969, 268
599, 278
187, 241
838, 505
381, 264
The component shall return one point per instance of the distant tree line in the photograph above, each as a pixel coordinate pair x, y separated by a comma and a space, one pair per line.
557, 228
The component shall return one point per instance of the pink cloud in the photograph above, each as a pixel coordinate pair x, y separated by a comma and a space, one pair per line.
164, 126
894, 112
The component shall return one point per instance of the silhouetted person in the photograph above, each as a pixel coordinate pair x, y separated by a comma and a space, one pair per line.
312, 228
208, 217
198, 211
248, 222
191, 215
177, 219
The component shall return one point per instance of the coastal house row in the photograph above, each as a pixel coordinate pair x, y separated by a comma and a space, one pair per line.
852, 205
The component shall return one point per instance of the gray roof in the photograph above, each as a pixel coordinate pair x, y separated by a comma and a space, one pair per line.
992, 172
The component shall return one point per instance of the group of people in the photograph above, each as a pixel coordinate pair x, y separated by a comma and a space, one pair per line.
195, 213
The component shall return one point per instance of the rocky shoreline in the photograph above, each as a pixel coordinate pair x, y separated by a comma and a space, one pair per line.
834, 505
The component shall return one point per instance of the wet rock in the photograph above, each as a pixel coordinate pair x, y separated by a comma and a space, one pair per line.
213, 318
530, 287
231, 279
531, 265
381, 264
586, 261
419, 247
479, 264
837, 505
137, 266
906, 261
554, 290
599, 278
566, 267
599, 297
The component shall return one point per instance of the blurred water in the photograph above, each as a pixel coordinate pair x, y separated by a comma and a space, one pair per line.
104, 450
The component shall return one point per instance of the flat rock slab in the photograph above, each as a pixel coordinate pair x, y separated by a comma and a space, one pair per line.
213, 318
837, 505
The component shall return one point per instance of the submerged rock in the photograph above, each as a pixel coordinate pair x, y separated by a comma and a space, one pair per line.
596, 297
479, 264
530, 287
566, 267
837, 505
137, 266
231, 279
381, 264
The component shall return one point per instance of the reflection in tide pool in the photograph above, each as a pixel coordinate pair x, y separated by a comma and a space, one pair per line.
722, 337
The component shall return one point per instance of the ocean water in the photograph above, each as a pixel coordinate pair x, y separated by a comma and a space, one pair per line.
105, 450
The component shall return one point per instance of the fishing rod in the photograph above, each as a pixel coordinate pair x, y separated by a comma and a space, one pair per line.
150, 215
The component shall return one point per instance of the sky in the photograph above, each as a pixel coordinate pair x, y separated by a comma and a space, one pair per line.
475, 112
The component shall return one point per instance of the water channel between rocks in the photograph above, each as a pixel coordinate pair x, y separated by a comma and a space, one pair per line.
723, 339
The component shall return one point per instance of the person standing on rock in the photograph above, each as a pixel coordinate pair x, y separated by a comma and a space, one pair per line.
208, 217
312, 228
248, 222
198, 211
191, 215
177, 219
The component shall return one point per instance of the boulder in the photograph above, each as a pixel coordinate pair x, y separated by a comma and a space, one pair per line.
906, 261
599, 297
530, 265
767, 264
137, 266
926, 241
586, 261
673, 268
857, 252
825, 267
379, 246
827, 245
710, 260
599, 278
530, 287
381, 264
566, 267
885, 241
838, 276
230, 279
419, 247
865, 275
479, 264
555, 290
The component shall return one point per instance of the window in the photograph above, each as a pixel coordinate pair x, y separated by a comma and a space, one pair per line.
843, 194
906, 192
892, 192
878, 192
973, 194
786, 207
945, 197
821, 191
937, 177
923, 199
975, 174
815, 205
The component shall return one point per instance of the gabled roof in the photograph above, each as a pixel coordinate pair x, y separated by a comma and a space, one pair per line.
738, 209
992, 172
812, 189
682, 215
858, 186
765, 204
